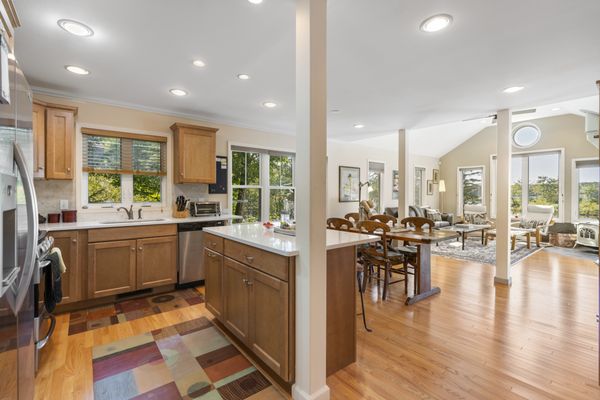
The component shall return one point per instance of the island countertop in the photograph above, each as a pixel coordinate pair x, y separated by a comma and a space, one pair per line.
256, 235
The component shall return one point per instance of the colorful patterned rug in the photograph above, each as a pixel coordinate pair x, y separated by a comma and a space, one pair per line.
189, 360
128, 310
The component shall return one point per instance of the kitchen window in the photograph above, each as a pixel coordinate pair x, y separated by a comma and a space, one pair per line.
262, 184
121, 168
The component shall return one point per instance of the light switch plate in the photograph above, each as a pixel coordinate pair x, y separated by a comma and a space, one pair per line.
64, 204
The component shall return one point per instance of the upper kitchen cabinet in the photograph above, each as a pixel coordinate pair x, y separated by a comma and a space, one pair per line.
194, 154
54, 135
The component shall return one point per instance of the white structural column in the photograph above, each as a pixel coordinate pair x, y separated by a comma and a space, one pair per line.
504, 149
311, 153
403, 172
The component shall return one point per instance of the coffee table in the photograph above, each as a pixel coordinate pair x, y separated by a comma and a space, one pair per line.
465, 229
514, 233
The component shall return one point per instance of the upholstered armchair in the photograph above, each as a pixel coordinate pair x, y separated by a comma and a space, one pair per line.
538, 218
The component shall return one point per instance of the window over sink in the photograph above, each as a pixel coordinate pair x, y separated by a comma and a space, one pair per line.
122, 168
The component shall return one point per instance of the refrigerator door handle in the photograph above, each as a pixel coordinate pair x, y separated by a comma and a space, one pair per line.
32, 228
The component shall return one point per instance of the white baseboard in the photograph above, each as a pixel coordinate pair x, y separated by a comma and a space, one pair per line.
503, 281
321, 394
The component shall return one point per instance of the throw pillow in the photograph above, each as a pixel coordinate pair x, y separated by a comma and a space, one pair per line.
531, 223
433, 215
474, 218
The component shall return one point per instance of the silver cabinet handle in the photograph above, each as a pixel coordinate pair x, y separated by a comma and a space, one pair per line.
213, 244
133, 249
249, 283
74, 240
211, 255
250, 259
140, 248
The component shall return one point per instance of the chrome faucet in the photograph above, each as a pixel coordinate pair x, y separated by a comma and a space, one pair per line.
140, 213
128, 211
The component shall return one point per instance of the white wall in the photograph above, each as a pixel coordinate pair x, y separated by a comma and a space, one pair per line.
429, 163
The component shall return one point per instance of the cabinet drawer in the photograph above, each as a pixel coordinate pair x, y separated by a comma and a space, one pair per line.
131, 232
272, 264
214, 243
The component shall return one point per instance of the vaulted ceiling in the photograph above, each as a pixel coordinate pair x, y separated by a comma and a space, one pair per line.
383, 71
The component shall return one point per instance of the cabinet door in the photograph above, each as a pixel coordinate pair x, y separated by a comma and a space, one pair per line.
111, 268
269, 321
72, 279
213, 282
60, 132
235, 293
156, 261
39, 140
196, 156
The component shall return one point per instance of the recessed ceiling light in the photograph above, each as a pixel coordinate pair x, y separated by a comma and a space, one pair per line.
513, 89
199, 63
77, 70
556, 109
243, 77
359, 126
178, 92
269, 104
255, 1
75, 28
11, 56
436, 23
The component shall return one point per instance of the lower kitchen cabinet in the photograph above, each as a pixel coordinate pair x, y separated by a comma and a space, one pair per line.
256, 310
72, 279
111, 268
236, 295
213, 289
156, 262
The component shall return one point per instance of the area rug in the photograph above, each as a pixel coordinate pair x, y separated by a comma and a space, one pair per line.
128, 310
189, 360
476, 252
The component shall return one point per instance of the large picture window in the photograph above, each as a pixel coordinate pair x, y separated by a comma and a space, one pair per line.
585, 193
470, 187
376, 170
262, 184
535, 180
419, 184
122, 168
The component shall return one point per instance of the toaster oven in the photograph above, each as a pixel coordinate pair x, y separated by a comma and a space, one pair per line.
205, 208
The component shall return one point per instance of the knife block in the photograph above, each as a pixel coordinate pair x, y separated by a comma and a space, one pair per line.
179, 214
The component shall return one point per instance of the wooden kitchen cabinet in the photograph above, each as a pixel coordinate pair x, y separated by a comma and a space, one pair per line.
213, 289
156, 262
268, 320
194, 154
111, 268
60, 137
72, 279
237, 295
39, 140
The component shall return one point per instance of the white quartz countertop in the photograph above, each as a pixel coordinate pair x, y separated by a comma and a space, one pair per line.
71, 226
256, 235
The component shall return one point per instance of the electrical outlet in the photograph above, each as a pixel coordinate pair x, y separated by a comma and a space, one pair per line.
64, 204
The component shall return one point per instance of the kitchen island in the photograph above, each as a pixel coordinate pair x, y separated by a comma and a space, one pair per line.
250, 289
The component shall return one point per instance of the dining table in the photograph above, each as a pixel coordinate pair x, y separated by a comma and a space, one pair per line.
422, 239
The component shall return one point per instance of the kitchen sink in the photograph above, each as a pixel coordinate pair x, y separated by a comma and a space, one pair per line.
131, 221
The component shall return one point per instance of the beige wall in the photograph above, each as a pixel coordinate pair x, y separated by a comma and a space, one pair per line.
564, 132
98, 115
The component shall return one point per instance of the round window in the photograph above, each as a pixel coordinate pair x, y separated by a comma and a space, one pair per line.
526, 135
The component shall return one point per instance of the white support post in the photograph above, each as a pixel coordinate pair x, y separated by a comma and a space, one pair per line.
403, 173
504, 149
311, 152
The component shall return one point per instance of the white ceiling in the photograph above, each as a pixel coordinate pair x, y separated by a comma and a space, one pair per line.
383, 71
435, 141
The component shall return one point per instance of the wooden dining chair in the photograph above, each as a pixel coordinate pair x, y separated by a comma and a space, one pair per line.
342, 224
410, 253
354, 217
339, 224
380, 255
386, 219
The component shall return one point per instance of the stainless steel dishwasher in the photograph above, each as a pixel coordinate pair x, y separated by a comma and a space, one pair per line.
190, 269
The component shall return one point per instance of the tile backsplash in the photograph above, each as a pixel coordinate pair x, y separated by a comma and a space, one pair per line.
50, 192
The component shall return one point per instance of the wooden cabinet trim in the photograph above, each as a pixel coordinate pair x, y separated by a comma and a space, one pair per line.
269, 263
167, 262
60, 136
194, 158
235, 290
93, 292
131, 232
213, 242
213, 287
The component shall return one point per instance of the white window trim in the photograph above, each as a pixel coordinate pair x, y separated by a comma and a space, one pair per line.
575, 189
106, 208
423, 186
561, 180
459, 191
264, 176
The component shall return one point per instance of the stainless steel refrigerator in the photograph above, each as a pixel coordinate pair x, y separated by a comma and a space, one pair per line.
18, 235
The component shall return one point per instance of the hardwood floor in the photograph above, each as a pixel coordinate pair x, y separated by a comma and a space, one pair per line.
536, 340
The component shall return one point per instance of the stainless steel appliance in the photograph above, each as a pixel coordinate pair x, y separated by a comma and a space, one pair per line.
191, 248
19, 236
43, 320
205, 208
